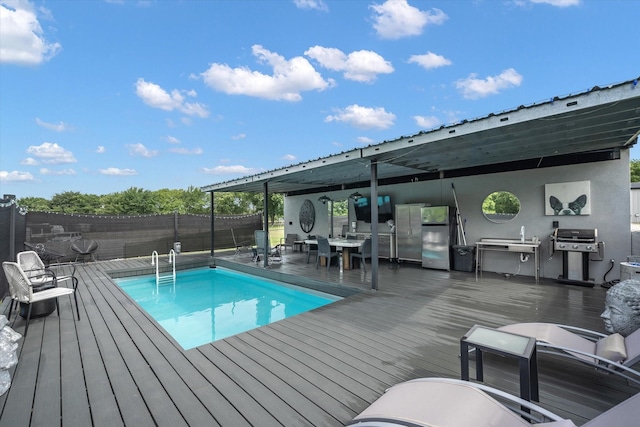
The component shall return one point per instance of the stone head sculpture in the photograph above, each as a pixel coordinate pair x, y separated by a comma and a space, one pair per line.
622, 308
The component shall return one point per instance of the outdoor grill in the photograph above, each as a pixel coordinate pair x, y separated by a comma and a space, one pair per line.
576, 245
575, 239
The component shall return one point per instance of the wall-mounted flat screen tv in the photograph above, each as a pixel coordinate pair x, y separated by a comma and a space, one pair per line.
363, 209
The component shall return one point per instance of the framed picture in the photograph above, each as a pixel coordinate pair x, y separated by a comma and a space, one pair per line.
568, 198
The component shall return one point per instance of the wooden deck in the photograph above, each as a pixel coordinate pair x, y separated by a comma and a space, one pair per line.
116, 366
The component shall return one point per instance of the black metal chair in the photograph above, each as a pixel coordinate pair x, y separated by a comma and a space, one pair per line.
84, 248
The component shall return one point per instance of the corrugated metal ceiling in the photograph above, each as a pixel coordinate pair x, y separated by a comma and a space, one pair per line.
599, 119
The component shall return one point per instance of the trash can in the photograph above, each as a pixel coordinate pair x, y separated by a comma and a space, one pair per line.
464, 258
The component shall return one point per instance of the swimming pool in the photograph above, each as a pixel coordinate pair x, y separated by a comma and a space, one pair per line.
209, 304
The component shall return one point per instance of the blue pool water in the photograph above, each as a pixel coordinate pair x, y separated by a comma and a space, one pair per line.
209, 304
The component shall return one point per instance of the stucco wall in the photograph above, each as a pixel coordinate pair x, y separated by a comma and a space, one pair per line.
610, 200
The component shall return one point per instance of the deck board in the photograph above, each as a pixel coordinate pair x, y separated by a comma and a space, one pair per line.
116, 366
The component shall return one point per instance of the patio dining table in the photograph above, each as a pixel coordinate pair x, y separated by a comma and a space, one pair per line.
347, 245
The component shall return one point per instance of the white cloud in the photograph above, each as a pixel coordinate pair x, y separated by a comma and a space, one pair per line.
140, 150
289, 157
180, 150
51, 153
365, 140
118, 172
474, 88
429, 60
239, 136
45, 171
426, 122
15, 176
172, 139
22, 40
363, 117
361, 65
559, 3
101, 149
60, 127
289, 78
29, 161
230, 170
155, 96
311, 4
395, 19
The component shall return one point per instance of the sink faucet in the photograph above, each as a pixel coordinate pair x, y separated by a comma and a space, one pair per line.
522, 234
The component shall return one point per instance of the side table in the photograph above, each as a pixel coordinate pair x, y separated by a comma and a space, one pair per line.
505, 344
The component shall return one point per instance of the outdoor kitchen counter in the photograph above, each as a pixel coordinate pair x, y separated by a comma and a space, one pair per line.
508, 245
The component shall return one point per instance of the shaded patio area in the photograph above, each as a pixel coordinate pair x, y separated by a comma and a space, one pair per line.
116, 366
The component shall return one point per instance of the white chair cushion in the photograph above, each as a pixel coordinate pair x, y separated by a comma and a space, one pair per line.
612, 348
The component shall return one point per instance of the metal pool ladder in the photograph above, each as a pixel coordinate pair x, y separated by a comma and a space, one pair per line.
167, 278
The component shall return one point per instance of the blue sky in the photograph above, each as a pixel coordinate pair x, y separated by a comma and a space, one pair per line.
100, 96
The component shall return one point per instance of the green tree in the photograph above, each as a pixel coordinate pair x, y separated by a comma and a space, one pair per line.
230, 204
75, 202
634, 167
134, 201
38, 204
502, 202
137, 201
341, 208
196, 201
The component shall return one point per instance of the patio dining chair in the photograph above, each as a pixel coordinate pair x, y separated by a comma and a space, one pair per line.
446, 402
363, 254
22, 291
324, 251
312, 249
40, 275
290, 241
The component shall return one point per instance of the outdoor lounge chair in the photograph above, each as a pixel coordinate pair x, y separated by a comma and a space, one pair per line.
324, 251
263, 247
22, 291
240, 246
612, 353
445, 402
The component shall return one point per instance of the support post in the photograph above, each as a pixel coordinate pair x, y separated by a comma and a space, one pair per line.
213, 222
374, 225
265, 226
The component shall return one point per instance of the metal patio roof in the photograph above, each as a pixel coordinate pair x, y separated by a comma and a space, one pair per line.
600, 119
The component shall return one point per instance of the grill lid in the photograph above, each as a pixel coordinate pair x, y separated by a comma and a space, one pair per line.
576, 234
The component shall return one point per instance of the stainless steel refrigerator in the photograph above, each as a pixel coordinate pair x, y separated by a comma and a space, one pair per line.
409, 232
438, 233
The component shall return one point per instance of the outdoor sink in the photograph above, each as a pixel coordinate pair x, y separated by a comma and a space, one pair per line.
513, 245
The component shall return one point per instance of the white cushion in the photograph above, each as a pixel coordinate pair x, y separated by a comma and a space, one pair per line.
612, 348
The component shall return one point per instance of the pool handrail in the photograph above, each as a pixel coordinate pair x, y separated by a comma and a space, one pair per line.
155, 260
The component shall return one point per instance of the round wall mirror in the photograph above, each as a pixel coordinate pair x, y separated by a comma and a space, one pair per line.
500, 207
